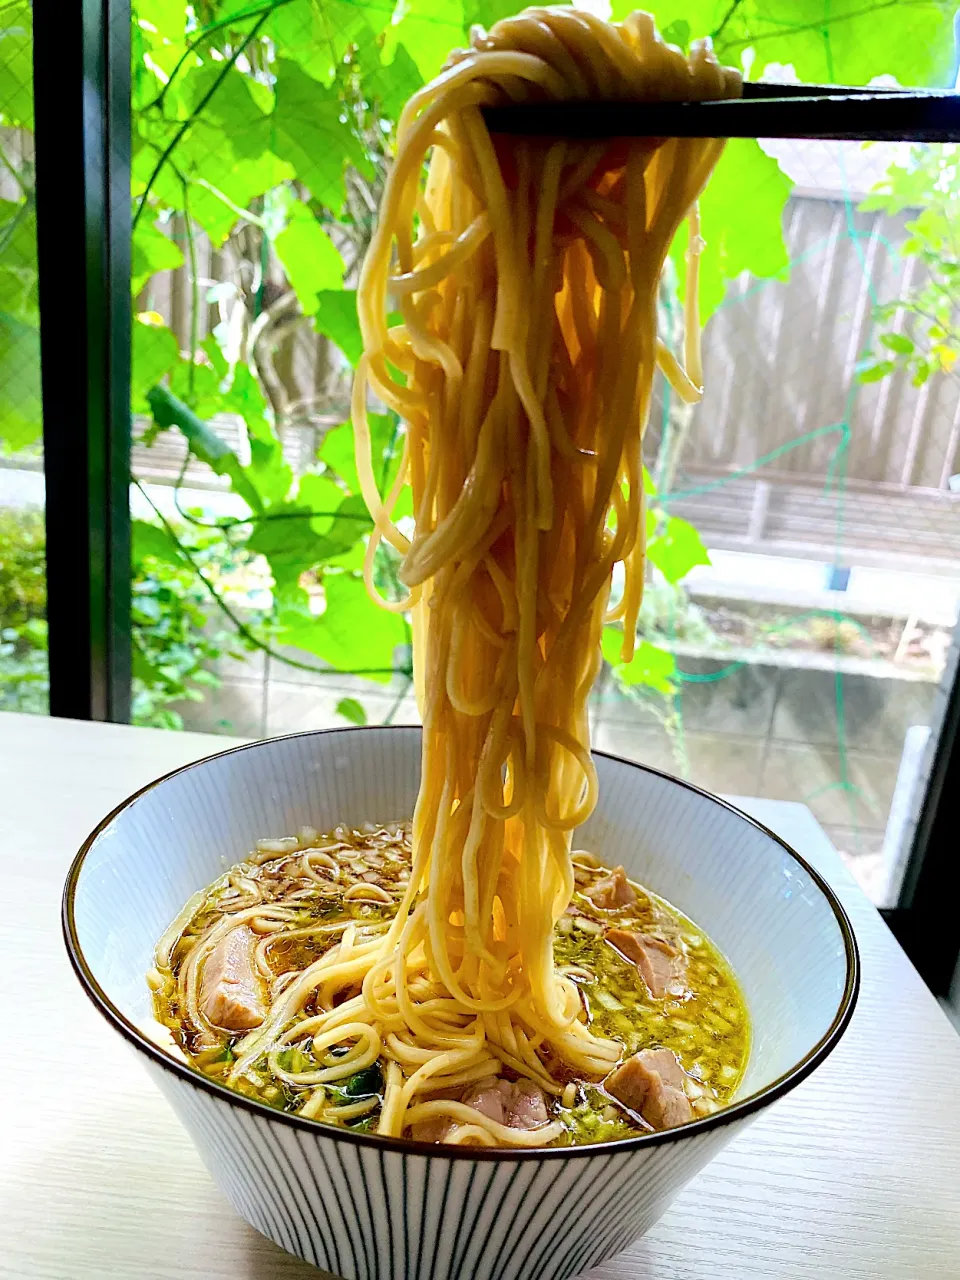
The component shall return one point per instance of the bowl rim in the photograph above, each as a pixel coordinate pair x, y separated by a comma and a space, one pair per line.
748, 1106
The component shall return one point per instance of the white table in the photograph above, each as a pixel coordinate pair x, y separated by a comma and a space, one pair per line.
856, 1174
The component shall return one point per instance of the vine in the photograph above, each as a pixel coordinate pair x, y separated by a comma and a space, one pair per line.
264, 132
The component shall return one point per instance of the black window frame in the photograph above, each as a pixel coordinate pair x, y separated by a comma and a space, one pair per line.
81, 64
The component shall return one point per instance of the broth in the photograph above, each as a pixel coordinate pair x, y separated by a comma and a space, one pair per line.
646, 976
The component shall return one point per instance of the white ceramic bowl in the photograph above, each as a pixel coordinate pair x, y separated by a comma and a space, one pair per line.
369, 1208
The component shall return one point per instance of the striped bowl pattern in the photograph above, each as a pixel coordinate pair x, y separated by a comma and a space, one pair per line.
368, 1208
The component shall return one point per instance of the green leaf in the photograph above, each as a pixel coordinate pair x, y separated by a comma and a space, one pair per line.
154, 353
611, 643
20, 411
700, 16
318, 33
198, 386
153, 540
167, 18
873, 372
152, 251
306, 130
269, 472
386, 448
169, 411
18, 260
350, 522
391, 86
16, 66
210, 345
741, 214
649, 488
337, 320
238, 105
338, 453
677, 549
847, 42
352, 710
222, 184
649, 665
678, 33
322, 497
898, 342
288, 540
352, 634
143, 669
309, 258
921, 373
428, 30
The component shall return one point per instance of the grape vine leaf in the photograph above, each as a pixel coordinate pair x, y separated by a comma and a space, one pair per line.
428, 30
16, 60
848, 42
322, 496
269, 472
18, 261
337, 320
20, 417
677, 549
307, 131
288, 540
154, 353
391, 86
309, 257
318, 34
650, 665
152, 251
352, 633
741, 214
222, 184
237, 105
386, 450
153, 540
166, 20
352, 710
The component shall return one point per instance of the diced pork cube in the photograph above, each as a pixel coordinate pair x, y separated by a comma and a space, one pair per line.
612, 890
651, 1085
519, 1105
660, 964
230, 993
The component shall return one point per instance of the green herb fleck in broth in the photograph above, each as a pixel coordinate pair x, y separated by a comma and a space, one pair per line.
706, 1027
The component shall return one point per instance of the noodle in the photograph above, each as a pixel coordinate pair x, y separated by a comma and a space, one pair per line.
526, 275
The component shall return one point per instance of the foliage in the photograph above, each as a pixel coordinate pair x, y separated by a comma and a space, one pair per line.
266, 130
668, 614
23, 628
847, 42
174, 640
918, 332
674, 547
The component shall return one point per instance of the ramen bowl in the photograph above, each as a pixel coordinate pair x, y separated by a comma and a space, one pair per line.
366, 1207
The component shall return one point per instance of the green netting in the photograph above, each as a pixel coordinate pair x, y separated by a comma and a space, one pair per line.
23, 662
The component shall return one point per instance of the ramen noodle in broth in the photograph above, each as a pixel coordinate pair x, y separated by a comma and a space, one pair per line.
646, 976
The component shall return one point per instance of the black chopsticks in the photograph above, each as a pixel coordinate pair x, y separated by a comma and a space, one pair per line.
764, 111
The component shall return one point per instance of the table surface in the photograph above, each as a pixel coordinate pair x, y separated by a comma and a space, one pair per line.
855, 1174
